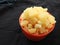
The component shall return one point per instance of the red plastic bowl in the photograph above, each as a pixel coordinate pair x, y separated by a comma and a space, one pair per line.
34, 37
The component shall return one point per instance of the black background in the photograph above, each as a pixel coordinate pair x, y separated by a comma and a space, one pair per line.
10, 31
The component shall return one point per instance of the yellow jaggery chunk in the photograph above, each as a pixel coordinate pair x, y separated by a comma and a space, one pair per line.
37, 17
33, 30
37, 26
30, 26
24, 23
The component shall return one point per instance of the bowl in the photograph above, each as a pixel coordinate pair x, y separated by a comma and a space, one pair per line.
34, 37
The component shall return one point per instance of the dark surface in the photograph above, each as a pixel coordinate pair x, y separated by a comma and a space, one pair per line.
10, 31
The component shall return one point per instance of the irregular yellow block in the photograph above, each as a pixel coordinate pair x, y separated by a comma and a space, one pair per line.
33, 30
